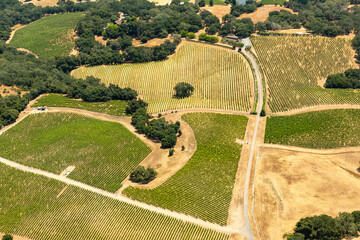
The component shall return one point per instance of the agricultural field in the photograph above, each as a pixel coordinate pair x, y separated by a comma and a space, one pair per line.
203, 187
292, 184
296, 68
103, 153
50, 36
222, 79
322, 129
39, 208
113, 107
273, 2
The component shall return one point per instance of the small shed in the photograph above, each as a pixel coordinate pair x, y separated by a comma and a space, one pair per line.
232, 38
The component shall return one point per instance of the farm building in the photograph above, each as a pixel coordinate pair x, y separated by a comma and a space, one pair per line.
232, 38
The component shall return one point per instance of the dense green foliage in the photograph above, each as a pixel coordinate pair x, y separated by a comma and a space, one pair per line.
49, 36
240, 27
32, 206
324, 227
7, 237
203, 187
10, 107
143, 175
183, 90
238, 9
157, 129
112, 107
104, 153
322, 129
278, 20
351, 79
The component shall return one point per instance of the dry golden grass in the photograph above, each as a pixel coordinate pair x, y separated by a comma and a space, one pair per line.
218, 10
291, 185
262, 13
150, 43
6, 90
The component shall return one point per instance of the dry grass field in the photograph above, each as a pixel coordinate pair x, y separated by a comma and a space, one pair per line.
262, 13
296, 68
222, 79
218, 10
292, 184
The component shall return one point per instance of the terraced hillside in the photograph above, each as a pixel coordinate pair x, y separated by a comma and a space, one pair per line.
296, 68
39, 208
203, 187
222, 79
50, 36
104, 153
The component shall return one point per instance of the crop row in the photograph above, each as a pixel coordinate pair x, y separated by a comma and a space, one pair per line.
222, 79
296, 68
32, 206
203, 187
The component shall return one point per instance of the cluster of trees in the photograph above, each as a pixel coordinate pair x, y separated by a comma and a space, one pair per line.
278, 20
13, 12
239, 27
238, 9
207, 38
326, 17
156, 129
143, 175
38, 76
324, 227
349, 79
356, 46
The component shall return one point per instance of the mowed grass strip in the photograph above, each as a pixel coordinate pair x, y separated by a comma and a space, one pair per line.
322, 129
113, 107
222, 79
104, 153
32, 207
50, 36
296, 68
203, 187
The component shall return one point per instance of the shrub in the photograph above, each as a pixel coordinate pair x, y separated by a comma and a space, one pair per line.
171, 152
133, 105
183, 90
142, 175
206, 38
7, 237
190, 35
262, 113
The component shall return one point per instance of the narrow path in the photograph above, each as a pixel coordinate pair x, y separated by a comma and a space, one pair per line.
124, 199
315, 108
247, 230
13, 32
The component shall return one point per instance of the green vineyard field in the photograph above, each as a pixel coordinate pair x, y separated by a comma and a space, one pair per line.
104, 153
203, 187
222, 79
322, 129
296, 67
50, 36
113, 107
39, 208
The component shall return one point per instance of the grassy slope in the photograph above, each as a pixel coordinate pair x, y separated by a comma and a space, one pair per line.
293, 66
279, 2
203, 187
49, 36
30, 207
222, 79
114, 107
104, 153
323, 129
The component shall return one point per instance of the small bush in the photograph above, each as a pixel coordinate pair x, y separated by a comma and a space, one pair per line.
262, 113
7, 237
182, 148
190, 35
142, 175
171, 152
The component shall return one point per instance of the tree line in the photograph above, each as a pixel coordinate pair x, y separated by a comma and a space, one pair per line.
349, 79
324, 227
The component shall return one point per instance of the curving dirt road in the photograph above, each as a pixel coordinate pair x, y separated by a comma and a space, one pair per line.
315, 108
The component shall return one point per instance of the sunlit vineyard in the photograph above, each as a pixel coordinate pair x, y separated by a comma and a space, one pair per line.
42, 209
203, 187
296, 66
322, 129
104, 153
222, 79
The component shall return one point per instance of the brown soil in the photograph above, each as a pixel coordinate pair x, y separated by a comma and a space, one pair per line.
218, 10
262, 13
293, 31
160, 2
237, 237
12, 90
159, 158
292, 183
15, 237
150, 43
101, 40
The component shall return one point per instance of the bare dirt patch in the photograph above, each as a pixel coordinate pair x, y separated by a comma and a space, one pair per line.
262, 13
159, 158
151, 43
10, 90
100, 39
160, 2
293, 183
27, 51
218, 10
301, 30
